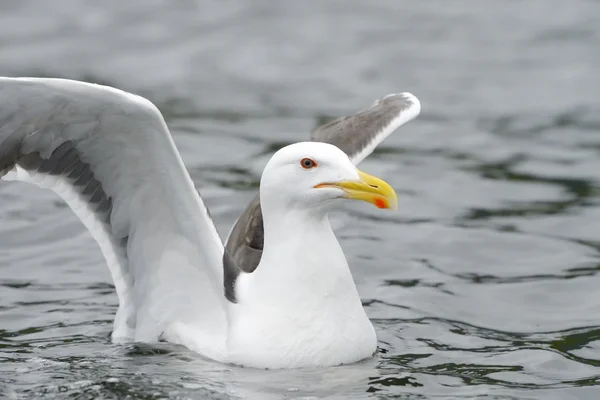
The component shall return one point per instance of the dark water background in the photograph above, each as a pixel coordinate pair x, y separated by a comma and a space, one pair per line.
484, 285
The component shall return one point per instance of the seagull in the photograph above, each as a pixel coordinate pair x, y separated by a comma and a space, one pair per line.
277, 294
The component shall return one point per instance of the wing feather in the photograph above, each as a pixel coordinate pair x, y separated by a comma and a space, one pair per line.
110, 156
359, 134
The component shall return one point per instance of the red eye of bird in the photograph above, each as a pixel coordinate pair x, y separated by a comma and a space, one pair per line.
307, 163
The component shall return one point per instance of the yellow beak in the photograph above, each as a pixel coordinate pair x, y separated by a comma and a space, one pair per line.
370, 189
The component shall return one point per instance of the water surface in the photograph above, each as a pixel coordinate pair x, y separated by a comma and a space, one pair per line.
484, 284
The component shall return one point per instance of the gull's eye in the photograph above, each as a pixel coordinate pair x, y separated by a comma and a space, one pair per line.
307, 163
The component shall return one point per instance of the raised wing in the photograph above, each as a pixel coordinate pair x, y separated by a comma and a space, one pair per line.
110, 156
357, 135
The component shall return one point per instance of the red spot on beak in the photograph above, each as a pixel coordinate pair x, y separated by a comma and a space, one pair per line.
380, 203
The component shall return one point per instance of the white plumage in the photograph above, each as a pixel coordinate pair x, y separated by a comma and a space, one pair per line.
110, 156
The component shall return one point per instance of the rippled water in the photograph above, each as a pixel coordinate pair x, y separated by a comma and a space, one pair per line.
483, 285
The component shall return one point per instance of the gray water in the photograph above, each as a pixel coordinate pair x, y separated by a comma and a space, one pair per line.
483, 285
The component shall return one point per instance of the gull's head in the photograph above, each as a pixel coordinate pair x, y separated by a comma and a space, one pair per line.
313, 174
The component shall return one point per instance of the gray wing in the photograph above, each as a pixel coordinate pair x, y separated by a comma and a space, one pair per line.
357, 135
110, 156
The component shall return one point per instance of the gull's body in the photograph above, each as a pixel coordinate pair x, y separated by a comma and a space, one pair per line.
279, 295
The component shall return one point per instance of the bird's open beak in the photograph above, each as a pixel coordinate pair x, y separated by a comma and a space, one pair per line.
369, 188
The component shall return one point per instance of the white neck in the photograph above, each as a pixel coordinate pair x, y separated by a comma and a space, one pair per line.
300, 307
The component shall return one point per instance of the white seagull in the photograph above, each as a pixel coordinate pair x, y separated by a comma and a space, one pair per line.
279, 294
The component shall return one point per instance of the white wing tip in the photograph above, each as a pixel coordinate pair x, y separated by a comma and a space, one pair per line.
412, 109
415, 108
414, 104
413, 99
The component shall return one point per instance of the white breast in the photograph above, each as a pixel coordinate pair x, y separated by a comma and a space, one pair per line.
300, 307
